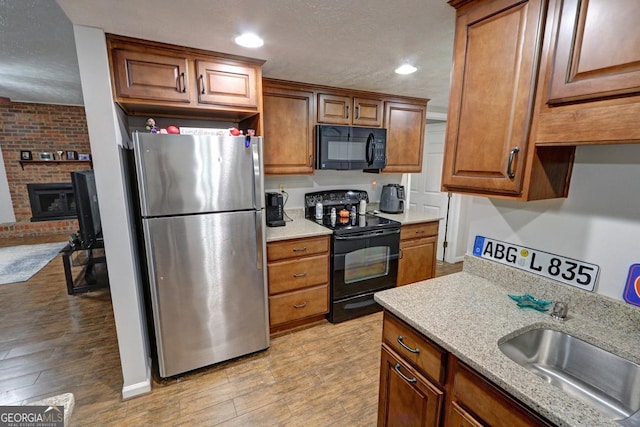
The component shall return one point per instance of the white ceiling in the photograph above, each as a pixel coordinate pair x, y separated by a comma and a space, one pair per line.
345, 43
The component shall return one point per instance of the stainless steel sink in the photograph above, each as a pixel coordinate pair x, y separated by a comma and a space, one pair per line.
588, 373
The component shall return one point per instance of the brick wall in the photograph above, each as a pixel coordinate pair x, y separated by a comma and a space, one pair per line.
37, 128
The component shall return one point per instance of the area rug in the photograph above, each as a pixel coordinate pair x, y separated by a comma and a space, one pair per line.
20, 263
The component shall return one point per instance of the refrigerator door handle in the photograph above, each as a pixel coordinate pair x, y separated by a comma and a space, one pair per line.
257, 173
259, 244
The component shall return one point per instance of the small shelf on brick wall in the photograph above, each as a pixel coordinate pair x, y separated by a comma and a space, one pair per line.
31, 162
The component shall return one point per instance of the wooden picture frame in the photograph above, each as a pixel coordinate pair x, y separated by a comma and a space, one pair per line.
71, 155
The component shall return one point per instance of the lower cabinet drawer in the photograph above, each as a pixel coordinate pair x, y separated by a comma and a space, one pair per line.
488, 404
296, 305
409, 344
285, 276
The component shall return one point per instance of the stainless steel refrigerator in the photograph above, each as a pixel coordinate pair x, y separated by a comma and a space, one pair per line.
202, 216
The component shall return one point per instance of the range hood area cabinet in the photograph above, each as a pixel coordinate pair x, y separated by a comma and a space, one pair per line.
513, 121
292, 110
155, 78
349, 110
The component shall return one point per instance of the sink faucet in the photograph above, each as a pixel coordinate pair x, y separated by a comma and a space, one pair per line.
560, 310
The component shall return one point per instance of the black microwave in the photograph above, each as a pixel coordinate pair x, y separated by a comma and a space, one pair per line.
347, 147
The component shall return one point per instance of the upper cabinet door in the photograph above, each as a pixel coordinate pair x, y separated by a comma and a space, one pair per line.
288, 131
367, 112
334, 109
597, 51
225, 84
493, 80
405, 125
151, 76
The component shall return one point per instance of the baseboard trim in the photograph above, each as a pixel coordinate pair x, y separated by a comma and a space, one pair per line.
137, 389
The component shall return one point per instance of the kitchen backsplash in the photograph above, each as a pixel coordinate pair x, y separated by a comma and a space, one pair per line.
297, 186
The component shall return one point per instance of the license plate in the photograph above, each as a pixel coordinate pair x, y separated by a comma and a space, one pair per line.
569, 271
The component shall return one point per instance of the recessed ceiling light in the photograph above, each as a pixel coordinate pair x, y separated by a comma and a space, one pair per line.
406, 69
249, 40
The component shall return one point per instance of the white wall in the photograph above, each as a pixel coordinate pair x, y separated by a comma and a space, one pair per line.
105, 138
598, 223
6, 206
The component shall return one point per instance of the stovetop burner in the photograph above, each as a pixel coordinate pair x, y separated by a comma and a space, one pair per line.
344, 199
354, 224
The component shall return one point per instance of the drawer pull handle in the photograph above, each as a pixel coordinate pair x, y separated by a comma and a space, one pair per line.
407, 379
512, 154
299, 249
412, 350
303, 305
420, 232
300, 274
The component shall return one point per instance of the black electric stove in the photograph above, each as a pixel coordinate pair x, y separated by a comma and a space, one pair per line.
364, 252
355, 223
344, 200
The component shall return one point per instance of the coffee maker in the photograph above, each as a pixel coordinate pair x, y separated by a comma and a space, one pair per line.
274, 209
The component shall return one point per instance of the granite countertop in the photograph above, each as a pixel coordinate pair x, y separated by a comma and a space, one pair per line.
470, 313
298, 227
411, 217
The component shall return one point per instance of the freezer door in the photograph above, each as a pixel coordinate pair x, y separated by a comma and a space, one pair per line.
208, 288
183, 174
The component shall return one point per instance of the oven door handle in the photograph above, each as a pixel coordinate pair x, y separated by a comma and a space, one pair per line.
368, 234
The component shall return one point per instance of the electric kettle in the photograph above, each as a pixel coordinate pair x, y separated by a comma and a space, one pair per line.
392, 199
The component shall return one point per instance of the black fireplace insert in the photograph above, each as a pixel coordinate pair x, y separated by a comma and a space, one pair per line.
52, 201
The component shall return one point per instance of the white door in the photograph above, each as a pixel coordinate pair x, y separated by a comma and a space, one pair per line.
425, 195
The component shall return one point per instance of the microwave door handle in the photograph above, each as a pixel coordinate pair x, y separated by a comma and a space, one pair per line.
369, 150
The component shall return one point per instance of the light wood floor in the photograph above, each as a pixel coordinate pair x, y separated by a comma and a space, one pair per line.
51, 343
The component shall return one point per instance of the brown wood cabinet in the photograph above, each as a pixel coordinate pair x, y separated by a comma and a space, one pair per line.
349, 110
597, 51
288, 129
226, 84
151, 75
417, 252
490, 110
479, 402
405, 125
292, 110
589, 91
422, 384
458, 417
156, 78
406, 397
532, 80
411, 371
298, 275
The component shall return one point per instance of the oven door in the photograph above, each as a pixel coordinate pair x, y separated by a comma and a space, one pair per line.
364, 262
